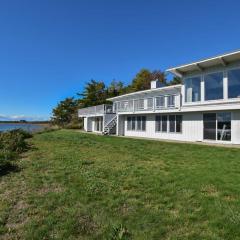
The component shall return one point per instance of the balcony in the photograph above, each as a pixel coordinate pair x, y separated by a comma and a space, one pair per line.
151, 104
96, 110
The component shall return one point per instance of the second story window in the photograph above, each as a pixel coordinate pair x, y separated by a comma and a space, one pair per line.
141, 104
192, 89
171, 101
213, 86
160, 102
149, 103
234, 83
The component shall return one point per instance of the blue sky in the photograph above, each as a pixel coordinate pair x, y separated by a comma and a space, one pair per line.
50, 48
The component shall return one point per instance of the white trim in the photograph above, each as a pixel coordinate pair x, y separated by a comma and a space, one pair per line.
146, 91
207, 60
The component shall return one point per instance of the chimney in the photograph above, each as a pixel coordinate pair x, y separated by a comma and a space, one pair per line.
156, 84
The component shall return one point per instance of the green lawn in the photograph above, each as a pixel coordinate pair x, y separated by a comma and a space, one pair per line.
73, 185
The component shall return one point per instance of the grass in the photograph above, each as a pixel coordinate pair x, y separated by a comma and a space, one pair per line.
73, 185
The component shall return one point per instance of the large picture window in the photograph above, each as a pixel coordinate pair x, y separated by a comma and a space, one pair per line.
192, 89
234, 83
214, 86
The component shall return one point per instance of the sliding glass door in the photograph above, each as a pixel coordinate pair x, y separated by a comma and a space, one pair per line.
217, 126
209, 126
224, 126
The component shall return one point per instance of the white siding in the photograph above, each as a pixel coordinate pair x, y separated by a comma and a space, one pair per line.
192, 128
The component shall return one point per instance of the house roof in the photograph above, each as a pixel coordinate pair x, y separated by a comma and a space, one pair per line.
146, 91
223, 60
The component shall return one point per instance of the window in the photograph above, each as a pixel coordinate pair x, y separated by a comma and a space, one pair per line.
98, 124
149, 103
129, 123
133, 123
178, 123
143, 123
175, 123
158, 123
234, 83
139, 123
224, 126
214, 86
192, 89
171, 101
160, 102
164, 123
172, 127
217, 126
209, 125
136, 123
141, 104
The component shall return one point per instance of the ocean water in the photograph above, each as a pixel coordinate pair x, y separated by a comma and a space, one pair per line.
25, 126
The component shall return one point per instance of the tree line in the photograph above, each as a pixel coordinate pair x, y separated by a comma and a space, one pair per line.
97, 92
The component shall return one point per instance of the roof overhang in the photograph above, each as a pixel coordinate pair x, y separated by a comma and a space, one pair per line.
161, 89
220, 60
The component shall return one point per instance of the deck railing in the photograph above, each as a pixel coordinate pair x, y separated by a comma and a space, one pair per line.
96, 110
163, 102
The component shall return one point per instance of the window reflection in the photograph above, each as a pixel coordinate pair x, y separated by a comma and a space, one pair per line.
214, 86
234, 83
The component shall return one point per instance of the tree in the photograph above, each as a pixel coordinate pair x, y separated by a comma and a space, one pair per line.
94, 94
161, 76
65, 112
175, 81
143, 79
115, 88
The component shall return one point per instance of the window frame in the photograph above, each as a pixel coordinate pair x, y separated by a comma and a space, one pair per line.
204, 80
171, 98
216, 127
160, 106
159, 123
136, 123
227, 75
200, 76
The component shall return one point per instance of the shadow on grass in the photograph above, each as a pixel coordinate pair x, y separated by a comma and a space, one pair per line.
8, 168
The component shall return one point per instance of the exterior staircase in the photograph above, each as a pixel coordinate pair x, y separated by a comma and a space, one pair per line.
110, 127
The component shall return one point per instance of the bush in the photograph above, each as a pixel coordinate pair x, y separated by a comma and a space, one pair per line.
12, 143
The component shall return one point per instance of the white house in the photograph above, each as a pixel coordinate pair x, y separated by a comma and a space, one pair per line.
206, 107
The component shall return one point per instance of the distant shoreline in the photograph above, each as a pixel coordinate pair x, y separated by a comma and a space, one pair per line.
34, 123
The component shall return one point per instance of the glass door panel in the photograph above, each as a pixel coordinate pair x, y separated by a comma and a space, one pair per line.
209, 126
224, 126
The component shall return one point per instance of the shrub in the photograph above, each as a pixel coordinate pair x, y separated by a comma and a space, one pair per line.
12, 143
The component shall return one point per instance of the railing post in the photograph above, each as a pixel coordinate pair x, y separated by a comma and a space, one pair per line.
154, 104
